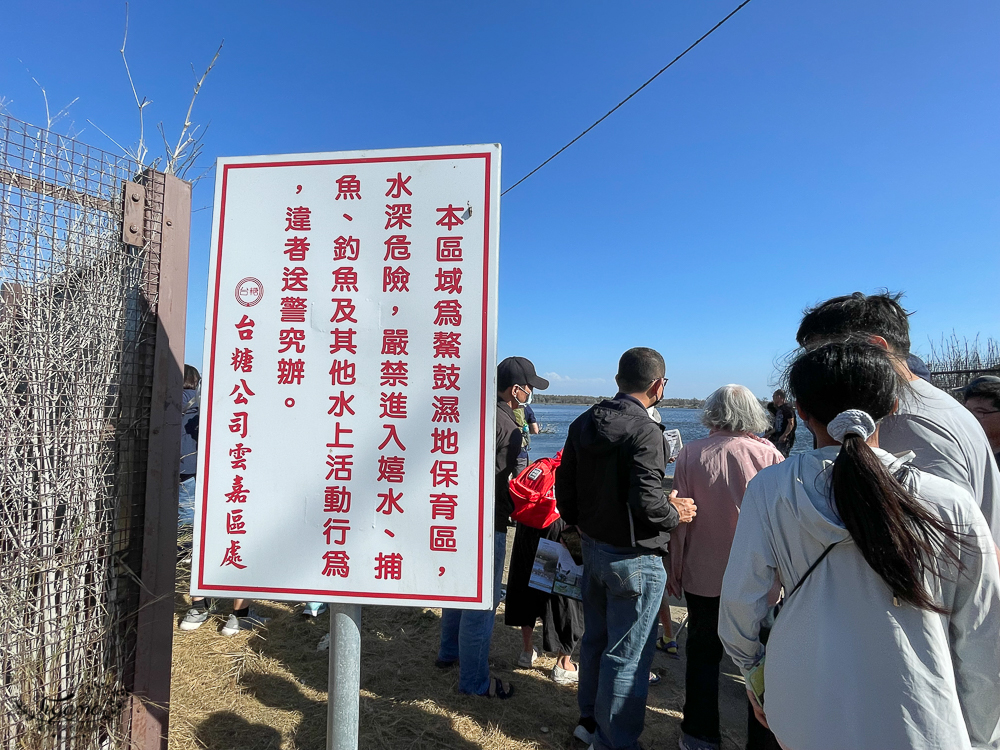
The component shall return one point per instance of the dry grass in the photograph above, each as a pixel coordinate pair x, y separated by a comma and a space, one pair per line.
268, 690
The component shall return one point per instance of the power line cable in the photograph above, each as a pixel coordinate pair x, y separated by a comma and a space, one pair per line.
617, 106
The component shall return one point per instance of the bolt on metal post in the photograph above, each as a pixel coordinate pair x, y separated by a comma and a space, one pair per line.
344, 677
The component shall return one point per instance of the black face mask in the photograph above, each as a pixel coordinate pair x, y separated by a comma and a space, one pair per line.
662, 391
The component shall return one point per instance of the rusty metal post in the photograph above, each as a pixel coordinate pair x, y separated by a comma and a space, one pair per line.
154, 627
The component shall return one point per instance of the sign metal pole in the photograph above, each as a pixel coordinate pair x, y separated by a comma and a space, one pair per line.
344, 677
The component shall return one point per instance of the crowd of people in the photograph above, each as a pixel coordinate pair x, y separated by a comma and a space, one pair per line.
855, 586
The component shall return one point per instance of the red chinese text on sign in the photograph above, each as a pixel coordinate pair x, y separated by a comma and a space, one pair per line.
316, 468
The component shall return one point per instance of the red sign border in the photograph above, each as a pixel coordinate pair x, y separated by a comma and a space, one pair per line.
487, 157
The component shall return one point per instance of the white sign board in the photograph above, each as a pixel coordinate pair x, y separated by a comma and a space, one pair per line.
348, 400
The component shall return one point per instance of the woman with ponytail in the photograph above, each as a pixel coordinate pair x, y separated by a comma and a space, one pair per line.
889, 636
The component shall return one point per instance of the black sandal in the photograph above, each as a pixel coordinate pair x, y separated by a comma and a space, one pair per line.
499, 690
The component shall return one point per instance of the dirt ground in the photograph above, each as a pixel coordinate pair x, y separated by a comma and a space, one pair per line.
267, 689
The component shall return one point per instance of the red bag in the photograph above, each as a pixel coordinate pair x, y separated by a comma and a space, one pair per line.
533, 493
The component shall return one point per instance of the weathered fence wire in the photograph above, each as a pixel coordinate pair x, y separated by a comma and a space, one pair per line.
955, 362
77, 331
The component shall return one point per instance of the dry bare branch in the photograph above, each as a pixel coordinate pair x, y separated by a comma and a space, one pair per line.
954, 362
179, 158
182, 156
141, 151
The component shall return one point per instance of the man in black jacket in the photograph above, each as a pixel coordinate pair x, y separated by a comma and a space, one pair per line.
610, 485
465, 633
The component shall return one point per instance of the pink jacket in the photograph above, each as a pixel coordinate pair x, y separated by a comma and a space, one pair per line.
715, 472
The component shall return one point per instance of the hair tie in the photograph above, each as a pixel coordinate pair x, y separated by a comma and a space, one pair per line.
851, 422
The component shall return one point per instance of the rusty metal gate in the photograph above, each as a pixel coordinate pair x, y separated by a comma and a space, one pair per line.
93, 276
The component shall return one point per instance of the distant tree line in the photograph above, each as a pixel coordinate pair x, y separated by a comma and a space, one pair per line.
547, 398
667, 403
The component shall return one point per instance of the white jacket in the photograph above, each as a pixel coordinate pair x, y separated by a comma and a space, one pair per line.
846, 669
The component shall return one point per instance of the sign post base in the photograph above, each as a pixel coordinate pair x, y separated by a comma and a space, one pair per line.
344, 677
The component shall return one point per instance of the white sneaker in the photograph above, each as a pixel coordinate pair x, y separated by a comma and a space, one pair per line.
195, 618
527, 659
235, 624
583, 735
562, 676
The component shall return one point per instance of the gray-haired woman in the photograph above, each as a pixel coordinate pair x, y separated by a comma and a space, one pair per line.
714, 471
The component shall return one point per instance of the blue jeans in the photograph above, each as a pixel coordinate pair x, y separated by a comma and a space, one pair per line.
185, 503
466, 633
622, 589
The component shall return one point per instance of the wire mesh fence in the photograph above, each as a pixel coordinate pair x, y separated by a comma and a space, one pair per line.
955, 362
77, 334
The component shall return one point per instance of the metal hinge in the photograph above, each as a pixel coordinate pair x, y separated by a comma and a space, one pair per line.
134, 214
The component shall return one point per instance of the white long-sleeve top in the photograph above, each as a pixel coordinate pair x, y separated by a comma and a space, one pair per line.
845, 667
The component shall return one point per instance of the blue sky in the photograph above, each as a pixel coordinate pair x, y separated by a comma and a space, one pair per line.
804, 150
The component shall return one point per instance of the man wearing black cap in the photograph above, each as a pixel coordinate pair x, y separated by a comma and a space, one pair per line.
466, 634
610, 485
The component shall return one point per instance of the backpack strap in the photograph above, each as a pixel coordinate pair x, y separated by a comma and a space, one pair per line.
903, 475
811, 569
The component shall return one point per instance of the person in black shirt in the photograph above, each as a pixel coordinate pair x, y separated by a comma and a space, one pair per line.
610, 486
783, 432
466, 633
